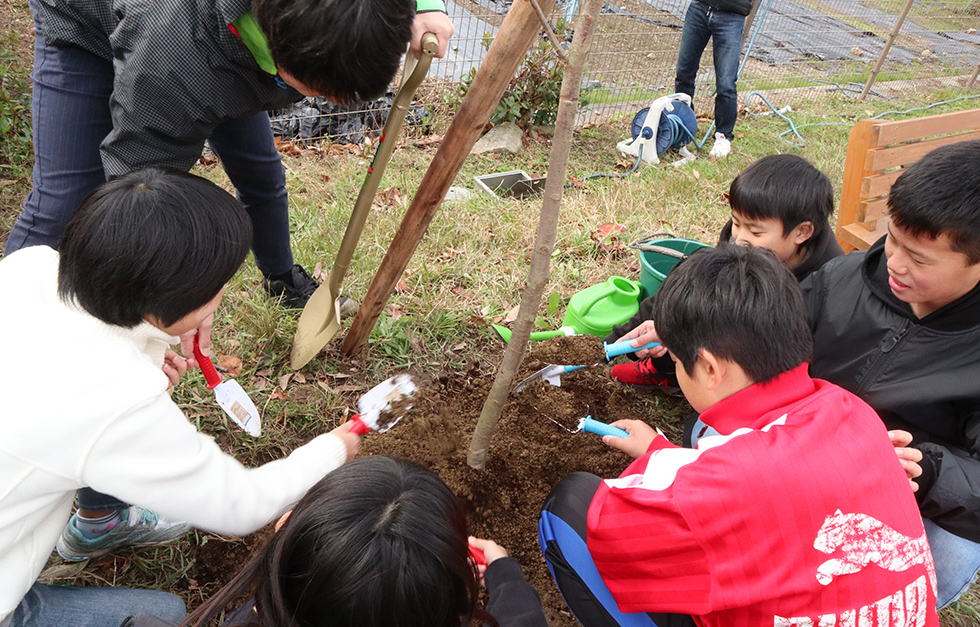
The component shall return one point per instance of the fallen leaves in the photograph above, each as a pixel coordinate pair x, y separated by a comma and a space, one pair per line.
230, 364
608, 232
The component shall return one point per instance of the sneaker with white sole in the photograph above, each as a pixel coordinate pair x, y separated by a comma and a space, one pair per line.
136, 527
722, 146
295, 292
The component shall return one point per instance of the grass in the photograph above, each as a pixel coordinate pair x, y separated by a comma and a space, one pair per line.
467, 273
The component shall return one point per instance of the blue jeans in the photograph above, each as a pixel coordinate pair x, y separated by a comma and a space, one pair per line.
59, 606
725, 31
957, 562
70, 108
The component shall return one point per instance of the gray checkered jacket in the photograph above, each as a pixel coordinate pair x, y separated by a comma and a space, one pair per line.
179, 72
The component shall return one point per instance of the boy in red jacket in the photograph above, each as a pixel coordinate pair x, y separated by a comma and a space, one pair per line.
797, 513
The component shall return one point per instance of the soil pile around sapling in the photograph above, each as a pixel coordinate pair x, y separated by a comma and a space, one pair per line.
529, 453
568, 350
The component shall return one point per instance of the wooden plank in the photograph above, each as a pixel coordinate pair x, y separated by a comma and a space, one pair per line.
892, 132
904, 154
879, 184
871, 210
859, 237
858, 142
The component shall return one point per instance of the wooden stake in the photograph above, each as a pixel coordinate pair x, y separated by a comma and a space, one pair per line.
516, 34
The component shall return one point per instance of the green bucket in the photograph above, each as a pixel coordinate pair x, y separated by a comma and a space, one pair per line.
654, 265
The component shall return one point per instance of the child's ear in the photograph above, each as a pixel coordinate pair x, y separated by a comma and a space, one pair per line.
713, 368
802, 232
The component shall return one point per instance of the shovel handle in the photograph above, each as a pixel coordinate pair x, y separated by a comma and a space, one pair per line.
211, 374
358, 426
622, 348
477, 555
600, 428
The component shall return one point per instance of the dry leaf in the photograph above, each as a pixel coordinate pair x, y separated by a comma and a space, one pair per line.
459, 346
318, 270
323, 384
284, 381
401, 286
299, 377
265, 372
277, 395
696, 174
608, 229
395, 312
230, 364
485, 311
339, 375
512, 314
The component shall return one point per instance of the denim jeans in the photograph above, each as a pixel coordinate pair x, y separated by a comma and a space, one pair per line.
58, 606
725, 31
70, 108
957, 562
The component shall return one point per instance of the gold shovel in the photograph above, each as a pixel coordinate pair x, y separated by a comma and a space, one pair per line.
320, 319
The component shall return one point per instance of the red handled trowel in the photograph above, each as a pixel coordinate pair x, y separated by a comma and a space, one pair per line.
230, 395
384, 405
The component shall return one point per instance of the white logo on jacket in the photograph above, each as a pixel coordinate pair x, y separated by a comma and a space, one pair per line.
859, 540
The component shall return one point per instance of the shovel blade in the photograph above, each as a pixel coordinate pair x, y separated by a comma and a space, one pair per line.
239, 407
317, 325
385, 404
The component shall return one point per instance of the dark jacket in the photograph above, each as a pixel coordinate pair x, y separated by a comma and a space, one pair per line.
821, 250
922, 376
513, 601
739, 7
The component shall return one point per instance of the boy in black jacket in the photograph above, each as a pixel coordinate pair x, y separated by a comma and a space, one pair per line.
899, 325
780, 202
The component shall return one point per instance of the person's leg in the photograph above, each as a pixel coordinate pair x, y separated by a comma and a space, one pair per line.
70, 109
562, 535
726, 37
249, 156
694, 38
58, 606
957, 562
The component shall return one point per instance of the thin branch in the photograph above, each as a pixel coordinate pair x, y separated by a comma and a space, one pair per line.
546, 25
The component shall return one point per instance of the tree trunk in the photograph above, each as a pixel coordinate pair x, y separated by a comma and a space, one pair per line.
544, 243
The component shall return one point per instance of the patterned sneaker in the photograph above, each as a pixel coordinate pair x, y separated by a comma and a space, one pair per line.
722, 146
136, 527
296, 292
643, 376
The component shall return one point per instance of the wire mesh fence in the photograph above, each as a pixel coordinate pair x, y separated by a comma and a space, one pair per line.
790, 48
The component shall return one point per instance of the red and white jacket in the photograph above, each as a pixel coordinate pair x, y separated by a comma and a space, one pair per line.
798, 514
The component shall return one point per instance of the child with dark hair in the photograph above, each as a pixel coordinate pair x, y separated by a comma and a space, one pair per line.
120, 85
781, 203
85, 404
379, 542
899, 325
797, 512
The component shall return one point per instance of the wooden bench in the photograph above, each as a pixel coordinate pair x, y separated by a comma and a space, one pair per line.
877, 151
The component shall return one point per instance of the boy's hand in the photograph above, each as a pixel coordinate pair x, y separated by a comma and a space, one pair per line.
491, 550
643, 335
435, 22
203, 334
174, 366
641, 435
910, 457
351, 440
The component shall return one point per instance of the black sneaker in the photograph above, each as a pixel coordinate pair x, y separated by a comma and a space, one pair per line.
296, 292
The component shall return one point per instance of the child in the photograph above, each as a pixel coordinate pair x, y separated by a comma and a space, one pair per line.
124, 84
84, 402
797, 513
899, 325
379, 542
780, 202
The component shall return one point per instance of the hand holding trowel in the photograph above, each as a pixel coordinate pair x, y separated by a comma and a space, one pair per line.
230, 395
552, 373
383, 405
320, 319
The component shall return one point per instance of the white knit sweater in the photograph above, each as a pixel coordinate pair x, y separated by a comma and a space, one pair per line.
83, 403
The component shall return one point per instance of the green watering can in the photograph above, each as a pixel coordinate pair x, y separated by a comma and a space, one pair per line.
593, 311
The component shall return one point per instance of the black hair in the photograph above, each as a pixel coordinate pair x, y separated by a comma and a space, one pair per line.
940, 193
379, 542
739, 303
786, 188
347, 50
151, 242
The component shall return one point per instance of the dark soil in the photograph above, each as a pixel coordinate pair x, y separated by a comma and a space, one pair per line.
529, 453
574, 350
